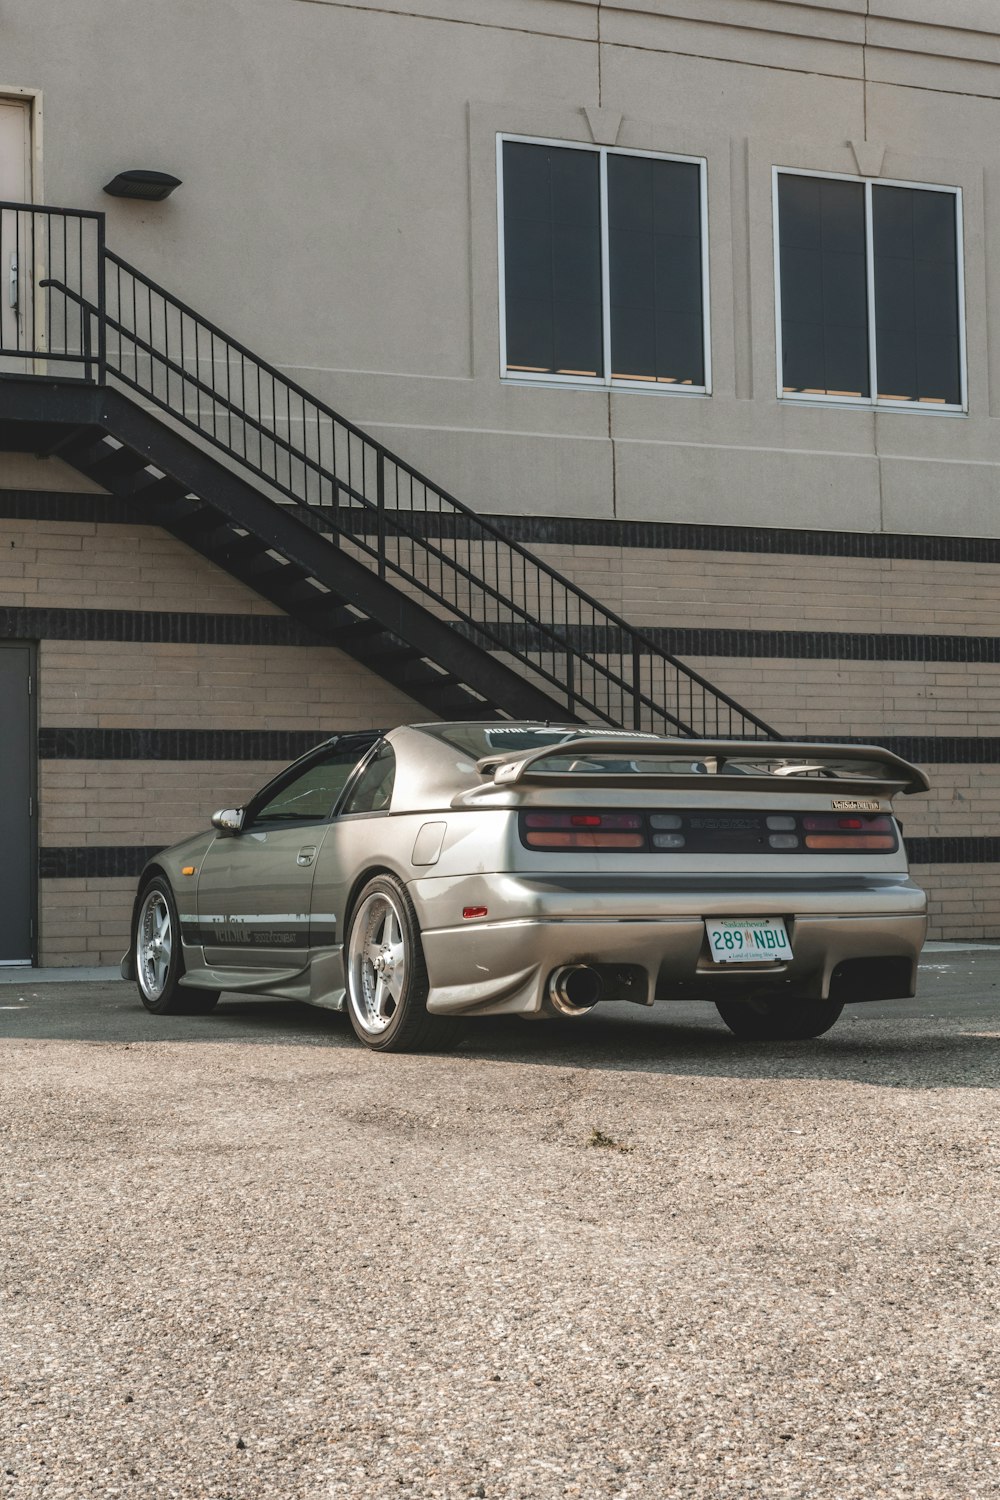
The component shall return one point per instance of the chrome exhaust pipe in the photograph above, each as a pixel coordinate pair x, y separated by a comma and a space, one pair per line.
575, 989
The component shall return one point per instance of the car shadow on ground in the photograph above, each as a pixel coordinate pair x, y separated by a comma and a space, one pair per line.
942, 1041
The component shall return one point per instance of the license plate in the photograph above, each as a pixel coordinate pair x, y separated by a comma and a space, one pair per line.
748, 940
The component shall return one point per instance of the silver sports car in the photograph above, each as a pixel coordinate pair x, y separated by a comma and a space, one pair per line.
441, 871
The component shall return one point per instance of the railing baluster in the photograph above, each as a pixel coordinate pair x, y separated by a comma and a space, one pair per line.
380, 504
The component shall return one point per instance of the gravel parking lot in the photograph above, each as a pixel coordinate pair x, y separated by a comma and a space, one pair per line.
626, 1256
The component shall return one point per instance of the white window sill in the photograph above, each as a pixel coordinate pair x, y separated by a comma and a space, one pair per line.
648, 388
925, 408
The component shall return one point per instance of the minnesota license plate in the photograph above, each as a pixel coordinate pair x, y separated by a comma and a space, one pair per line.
748, 940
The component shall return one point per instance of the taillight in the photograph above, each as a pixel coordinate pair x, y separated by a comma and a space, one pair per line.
554, 830
711, 831
829, 831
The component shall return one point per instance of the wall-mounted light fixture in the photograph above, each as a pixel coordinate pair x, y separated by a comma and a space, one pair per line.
139, 183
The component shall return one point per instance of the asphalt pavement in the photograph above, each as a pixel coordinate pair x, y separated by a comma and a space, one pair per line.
622, 1256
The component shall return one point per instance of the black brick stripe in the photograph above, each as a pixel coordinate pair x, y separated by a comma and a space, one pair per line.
160, 626
579, 531
953, 851
177, 744
50, 505
103, 862
288, 744
926, 749
94, 861
830, 645
572, 531
153, 626
782, 645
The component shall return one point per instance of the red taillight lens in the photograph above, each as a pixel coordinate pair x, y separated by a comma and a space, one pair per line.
830, 831
552, 830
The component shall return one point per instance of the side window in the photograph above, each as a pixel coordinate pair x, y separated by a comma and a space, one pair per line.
310, 796
374, 791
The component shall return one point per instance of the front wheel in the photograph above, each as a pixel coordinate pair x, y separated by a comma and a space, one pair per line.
777, 1020
156, 948
387, 982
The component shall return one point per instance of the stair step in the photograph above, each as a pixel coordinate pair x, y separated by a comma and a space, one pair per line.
382, 648
268, 569
237, 551
153, 492
360, 630
422, 674
121, 464
83, 448
305, 597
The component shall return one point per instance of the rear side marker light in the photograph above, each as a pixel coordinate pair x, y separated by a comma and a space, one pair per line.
468, 912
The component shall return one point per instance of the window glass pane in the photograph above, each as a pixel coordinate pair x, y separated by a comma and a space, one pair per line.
655, 270
916, 295
310, 796
374, 791
824, 289
552, 259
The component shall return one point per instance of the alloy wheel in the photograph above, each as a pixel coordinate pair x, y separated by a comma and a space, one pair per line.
154, 945
377, 963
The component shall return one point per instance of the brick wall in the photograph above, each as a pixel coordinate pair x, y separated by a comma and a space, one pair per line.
105, 684
108, 684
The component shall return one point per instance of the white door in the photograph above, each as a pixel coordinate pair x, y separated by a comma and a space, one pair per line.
15, 187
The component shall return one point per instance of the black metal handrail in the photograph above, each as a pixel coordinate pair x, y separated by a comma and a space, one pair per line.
489, 586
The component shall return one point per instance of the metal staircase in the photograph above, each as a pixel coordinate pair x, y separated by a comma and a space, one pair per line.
121, 379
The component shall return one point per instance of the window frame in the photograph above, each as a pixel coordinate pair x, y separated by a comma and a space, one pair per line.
342, 812
607, 382
287, 776
873, 402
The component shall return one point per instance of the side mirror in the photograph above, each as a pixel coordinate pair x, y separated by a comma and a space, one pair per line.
228, 819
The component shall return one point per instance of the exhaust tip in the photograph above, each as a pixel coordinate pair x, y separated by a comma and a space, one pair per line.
575, 989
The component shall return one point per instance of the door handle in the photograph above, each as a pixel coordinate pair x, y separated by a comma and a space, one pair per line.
306, 856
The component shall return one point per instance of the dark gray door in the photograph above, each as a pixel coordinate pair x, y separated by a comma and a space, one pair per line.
16, 767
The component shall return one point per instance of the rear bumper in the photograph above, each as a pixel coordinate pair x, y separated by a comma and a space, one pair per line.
503, 966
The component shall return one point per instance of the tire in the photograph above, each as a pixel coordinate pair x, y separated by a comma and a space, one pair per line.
386, 975
778, 1020
156, 952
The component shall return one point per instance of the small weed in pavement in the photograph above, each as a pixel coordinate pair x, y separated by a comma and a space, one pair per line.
598, 1138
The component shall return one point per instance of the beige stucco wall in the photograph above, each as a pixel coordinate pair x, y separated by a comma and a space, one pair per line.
338, 213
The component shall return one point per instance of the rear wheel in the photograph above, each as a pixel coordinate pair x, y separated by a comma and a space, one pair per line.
776, 1020
156, 948
387, 982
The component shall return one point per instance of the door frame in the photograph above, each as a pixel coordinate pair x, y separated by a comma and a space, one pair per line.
33, 99
33, 886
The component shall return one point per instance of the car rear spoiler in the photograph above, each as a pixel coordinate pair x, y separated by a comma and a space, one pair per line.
771, 765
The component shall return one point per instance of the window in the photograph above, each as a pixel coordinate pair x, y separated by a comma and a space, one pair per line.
869, 291
309, 795
603, 273
374, 789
